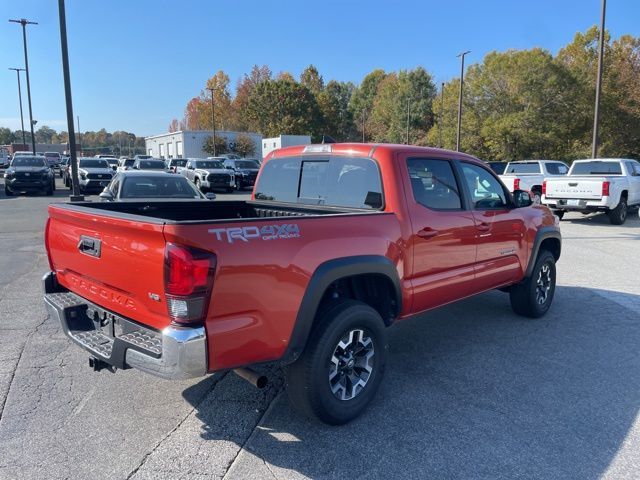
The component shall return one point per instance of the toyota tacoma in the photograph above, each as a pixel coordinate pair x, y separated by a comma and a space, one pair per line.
338, 242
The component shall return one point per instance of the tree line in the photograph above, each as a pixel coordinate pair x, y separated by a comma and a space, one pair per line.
518, 104
117, 143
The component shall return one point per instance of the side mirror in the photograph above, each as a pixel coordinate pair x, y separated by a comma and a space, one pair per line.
106, 195
522, 198
190, 167
210, 195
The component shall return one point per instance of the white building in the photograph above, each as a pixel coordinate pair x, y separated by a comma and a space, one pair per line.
270, 144
189, 143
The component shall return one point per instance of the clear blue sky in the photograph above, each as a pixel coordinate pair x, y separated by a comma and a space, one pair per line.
136, 63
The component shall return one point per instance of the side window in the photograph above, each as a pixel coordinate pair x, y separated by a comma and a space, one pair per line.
636, 167
557, 168
486, 191
434, 184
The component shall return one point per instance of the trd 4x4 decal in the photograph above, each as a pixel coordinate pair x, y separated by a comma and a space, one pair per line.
266, 232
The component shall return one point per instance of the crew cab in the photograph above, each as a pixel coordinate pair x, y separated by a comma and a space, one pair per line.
246, 171
338, 242
596, 185
93, 174
529, 174
28, 173
208, 174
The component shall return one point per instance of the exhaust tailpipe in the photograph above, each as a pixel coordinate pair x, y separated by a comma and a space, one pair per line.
254, 378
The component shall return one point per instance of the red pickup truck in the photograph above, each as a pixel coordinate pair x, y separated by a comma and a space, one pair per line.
338, 242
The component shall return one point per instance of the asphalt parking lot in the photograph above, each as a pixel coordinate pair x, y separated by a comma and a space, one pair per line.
470, 391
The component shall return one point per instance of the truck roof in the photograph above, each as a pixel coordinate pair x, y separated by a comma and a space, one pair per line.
366, 150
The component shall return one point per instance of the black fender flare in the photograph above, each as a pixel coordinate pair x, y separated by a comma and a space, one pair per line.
327, 273
543, 234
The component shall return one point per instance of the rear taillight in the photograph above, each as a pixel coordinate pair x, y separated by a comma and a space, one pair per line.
516, 184
605, 189
188, 281
544, 187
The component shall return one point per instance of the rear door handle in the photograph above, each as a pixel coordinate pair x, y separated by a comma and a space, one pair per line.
483, 227
427, 232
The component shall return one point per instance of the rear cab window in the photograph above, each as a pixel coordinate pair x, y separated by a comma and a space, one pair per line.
596, 168
557, 168
523, 168
350, 182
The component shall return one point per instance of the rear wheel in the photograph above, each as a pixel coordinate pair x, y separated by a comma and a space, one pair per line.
559, 213
8, 192
342, 366
618, 215
533, 296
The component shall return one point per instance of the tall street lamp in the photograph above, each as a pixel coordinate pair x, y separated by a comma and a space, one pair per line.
213, 120
462, 55
596, 116
24, 22
75, 186
18, 70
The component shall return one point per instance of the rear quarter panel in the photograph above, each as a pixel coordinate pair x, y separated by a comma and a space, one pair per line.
259, 284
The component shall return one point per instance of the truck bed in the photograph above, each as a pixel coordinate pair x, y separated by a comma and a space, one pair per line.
160, 212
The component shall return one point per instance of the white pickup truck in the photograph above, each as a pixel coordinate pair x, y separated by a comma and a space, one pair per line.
607, 185
529, 174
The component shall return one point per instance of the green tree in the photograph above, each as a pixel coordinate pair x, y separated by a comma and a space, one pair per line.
361, 103
243, 92
333, 102
311, 78
44, 134
283, 107
6, 136
222, 146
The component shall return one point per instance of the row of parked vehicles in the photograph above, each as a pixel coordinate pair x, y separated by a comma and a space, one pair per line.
608, 185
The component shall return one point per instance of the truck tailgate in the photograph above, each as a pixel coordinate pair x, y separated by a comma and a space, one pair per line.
589, 188
120, 266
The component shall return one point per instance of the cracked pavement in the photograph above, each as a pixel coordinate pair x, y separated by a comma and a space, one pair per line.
470, 389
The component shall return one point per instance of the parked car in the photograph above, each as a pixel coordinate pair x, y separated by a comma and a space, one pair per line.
29, 173
136, 186
529, 174
93, 174
497, 167
125, 164
149, 164
142, 157
209, 174
174, 164
53, 159
339, 242
246, 171
64, 163
609, 185
112, 161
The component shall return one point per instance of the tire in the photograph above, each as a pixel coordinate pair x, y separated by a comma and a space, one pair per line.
618, 215
559, 213
230, 189
8, 192
49, 191
317, 388
526, 298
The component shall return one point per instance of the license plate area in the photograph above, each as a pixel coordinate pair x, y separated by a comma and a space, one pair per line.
573, 203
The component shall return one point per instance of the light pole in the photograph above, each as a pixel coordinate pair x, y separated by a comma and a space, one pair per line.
18, 70
462, 55
75, 186
79, 132
24, 22
596, 116
441, 113
213, 121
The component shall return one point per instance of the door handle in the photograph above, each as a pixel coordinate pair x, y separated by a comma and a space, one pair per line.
483, 227
427, 232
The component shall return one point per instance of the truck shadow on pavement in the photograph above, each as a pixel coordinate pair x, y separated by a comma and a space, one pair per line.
472, 390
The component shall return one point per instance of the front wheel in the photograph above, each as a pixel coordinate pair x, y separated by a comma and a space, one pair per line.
618, 215
342, 365
8, 192
533, 296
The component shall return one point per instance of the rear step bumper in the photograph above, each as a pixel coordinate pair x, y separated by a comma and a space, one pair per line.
174, 353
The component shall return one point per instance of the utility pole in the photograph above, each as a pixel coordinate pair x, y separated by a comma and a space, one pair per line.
462, 55
75, 186
213, 121
18, 70
596, 116
24, 22
408, 119
440, 116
